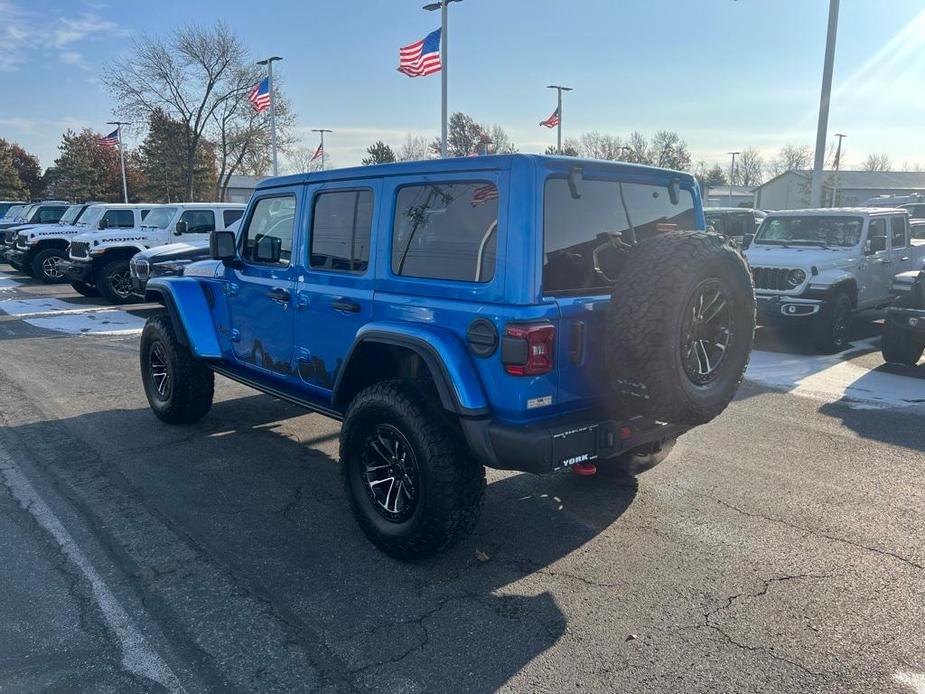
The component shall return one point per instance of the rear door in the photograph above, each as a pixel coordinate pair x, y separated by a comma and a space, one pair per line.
900, 250
335, 292
260, 293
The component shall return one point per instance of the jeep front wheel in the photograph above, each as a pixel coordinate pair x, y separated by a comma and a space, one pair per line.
832, 326
85, 289
179, 387
115, 282
46, 266
411, 486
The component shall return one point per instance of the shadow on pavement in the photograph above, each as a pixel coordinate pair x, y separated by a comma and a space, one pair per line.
263, 505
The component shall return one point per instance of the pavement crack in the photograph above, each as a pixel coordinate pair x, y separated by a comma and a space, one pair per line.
810, 531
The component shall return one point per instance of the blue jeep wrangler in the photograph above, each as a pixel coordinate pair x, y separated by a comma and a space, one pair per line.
518, 312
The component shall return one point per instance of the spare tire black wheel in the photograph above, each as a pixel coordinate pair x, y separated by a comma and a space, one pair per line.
900, 346
680, 327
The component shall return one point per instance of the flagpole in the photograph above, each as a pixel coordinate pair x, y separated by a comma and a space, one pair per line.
269, 63
444, 69
559, 89
322, 131
119, 125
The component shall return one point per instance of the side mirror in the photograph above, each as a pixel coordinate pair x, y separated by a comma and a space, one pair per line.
268, 249
182, 228
747, 240
104, 223
222, 246
875, 244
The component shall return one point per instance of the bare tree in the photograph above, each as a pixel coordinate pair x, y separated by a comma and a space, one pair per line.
598, 145
670, 151
301, 159
189, 76
877, 162
242, 135
639, 150
749, 168
790, 158
499, 140
415, 148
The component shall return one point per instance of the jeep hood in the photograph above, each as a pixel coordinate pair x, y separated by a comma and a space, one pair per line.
799, 256
54, 230
187, 250
100, 237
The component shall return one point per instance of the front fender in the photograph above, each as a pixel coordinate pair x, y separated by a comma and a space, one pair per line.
189, 313
444, 354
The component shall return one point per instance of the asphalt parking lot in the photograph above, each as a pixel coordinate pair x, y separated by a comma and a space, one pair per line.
779, 548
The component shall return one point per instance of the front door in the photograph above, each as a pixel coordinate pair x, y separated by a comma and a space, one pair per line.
876, 277
335, 292
260, 291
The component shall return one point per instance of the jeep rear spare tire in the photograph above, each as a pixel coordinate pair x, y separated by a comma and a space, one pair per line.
680, 327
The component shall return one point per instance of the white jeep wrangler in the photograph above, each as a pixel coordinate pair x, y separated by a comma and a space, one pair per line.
101, 260
822, 266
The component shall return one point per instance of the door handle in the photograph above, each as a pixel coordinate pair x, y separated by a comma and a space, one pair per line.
345, 305
279, 295
904, 258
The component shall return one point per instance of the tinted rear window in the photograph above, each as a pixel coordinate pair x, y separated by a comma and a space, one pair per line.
446, 231
582, 236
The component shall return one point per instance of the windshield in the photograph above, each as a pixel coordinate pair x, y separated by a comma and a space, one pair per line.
160, 217
91, 217
13, 212
26, 211
73, 212
816, 230
585, 238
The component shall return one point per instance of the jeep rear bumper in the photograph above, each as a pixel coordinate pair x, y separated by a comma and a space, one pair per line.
560, 442
77, 271
16, 257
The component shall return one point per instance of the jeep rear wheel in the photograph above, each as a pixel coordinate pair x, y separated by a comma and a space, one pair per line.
832, 326
114, 281
46, 266
179, 387
680, 328
85, 289
412, 487
900, 346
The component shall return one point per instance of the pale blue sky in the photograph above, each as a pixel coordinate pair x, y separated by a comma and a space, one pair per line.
725, 74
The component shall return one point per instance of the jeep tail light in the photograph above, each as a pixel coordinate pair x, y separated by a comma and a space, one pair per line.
528, 349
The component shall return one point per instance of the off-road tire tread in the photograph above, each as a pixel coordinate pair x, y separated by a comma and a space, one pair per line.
900, 347
646, 300
193, 382
456, 486
39, 258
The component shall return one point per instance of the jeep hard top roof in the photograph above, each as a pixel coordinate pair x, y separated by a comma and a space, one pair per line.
838, 211
204, 205
492, 162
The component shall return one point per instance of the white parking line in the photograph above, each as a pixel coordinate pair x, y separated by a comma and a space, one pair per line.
101, 322
138, 656
914, 680
831, 378
7, 284
46, 307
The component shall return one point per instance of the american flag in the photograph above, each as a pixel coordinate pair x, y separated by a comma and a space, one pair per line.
110, 140
552, 121
421, 58
318, 153
260, 96
483, 194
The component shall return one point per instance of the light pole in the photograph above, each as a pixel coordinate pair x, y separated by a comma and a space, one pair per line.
815, 195
559, 89
322, 131
119, 124
269, 63
444, 68
732, 175
840, 137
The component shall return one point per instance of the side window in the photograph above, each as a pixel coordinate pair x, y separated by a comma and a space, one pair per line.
144, 213
898, 231
120, 219
268, 237
446, 231
341, 224
877, 228
231, 216
198, 221
50, 215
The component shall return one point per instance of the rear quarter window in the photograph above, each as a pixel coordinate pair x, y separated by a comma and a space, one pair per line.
446, 231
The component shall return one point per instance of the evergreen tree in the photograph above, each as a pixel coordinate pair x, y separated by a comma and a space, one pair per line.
85, 169
162, 159
379, 153
11, 185
27, 167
